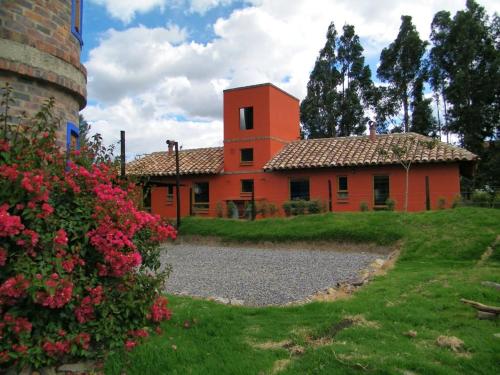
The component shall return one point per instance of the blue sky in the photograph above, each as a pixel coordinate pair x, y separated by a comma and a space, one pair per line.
157, 68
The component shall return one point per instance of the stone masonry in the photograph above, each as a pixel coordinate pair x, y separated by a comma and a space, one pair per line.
40, 58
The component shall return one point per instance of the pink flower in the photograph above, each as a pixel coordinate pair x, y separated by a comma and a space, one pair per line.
130, 344
159, 310
61, 237
10, 225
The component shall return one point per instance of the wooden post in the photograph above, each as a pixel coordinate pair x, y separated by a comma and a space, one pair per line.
190, 201
253, 201
427, 194
122, 153
329, 195
177, 184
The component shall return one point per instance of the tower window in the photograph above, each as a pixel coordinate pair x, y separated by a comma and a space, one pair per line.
247, 186
246, 118
72, 137
76, 19
246, 155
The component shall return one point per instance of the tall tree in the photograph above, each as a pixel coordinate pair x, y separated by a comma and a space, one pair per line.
471, 63
401, 63
438, 65
340, 88
422, 119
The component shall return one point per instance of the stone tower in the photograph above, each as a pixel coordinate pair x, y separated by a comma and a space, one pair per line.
40, 45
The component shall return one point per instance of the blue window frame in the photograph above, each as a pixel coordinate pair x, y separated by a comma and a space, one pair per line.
76, 19
72, 137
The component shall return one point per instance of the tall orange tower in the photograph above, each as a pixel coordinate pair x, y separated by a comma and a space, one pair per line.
258, 121
40, 45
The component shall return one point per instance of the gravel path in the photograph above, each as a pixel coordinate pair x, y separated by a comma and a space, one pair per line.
259, 276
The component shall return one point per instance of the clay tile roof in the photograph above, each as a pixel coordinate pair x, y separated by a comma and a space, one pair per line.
358, 151
195, 161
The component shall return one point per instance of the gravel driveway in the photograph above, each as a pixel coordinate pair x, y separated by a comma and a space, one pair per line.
259, 276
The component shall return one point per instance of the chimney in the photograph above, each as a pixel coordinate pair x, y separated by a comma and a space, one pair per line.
170, 148
373, 131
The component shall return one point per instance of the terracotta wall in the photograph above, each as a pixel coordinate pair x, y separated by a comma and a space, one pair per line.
274, 187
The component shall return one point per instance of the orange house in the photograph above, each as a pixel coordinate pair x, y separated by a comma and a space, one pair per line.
264, 159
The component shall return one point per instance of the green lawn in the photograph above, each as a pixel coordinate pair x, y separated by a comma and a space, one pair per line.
422, 293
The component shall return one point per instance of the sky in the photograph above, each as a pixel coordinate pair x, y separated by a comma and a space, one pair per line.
157, 68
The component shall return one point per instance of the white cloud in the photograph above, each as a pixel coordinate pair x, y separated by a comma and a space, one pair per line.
125, 10
202, 6
157, 75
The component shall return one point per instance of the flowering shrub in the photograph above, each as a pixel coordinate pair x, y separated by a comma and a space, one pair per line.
79, 263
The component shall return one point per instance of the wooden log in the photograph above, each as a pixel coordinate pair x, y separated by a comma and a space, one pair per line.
486, 315
481, 307
491, 284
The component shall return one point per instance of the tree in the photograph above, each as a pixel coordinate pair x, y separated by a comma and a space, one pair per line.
438, 65
470, 61
340, 88
422, 120
405, 154
84, 130
401, 64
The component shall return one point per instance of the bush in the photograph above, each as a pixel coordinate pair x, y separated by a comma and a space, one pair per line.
441, 203
78, 261
484, 198
287, 207
219, 209
273, 209
248, 210
391, 204
300, 207
457, 201
314, 206
232, 210
363, 206
262, 208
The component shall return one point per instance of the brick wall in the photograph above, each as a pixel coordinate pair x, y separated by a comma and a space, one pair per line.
40, 58
43, 24
29, 95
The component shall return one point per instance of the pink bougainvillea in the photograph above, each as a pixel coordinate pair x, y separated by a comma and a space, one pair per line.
76, 252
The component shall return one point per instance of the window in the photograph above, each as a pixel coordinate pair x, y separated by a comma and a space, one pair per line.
246, 186
146, 198
72, 137
170, 193
299, 189
246, 155
201, 196
342, 192
246, 118
76, 19
380, 190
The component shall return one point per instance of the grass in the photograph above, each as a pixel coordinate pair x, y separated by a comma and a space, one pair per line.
438, 266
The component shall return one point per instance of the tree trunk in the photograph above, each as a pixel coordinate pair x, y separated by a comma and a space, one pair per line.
446, 119
406, 119
436, 98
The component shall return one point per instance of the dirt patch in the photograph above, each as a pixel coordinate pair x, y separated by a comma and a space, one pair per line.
488, 252
341, 291
296, 245
280, 365
450, 342
360, 320
273, 345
